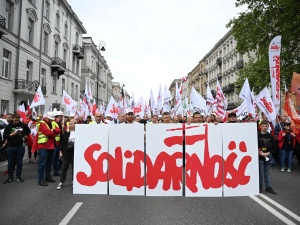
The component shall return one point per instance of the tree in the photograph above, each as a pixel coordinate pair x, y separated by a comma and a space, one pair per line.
256, 27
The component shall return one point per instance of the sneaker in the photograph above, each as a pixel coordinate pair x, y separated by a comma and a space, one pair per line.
29, 160
282, 169
42, 183
35, 161
270, 190
60, 185
289, 170
49, 179
20, 180
8, 180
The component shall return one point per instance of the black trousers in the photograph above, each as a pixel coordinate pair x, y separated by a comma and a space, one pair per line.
65, 166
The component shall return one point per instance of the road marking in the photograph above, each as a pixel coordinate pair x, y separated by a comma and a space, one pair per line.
273, 211
290, 213
72, 212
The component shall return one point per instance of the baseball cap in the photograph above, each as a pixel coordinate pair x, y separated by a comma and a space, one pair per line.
129, 111
72, 115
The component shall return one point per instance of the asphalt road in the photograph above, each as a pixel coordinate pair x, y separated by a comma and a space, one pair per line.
28, 203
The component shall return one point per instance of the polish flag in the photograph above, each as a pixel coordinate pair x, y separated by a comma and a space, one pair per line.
22, 112
4, 114
94, 107
34, 113
220, 102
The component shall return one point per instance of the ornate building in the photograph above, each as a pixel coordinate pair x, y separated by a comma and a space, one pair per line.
96, 72
40, 45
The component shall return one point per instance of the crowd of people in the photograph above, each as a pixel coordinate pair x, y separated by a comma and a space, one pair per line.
51, 139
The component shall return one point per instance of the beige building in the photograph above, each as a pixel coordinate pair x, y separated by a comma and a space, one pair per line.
172, 90
222, 62
117, 90
40, 45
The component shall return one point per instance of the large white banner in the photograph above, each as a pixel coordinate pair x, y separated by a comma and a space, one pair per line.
203, 146
91, 159
274, 63
164, 144
220, 160
126, 167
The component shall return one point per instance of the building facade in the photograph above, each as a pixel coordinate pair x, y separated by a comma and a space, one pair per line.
222, 62
96, 72
42, 46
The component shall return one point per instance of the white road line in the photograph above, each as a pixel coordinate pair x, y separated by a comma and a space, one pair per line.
290, 213
72, 212
273, 211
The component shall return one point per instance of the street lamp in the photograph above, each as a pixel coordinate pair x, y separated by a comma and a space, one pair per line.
100, 48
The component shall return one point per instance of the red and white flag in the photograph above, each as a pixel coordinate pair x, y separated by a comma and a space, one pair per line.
28, 111
209, 100
178, 108
38, 98
220, 102
152, 101
68, 101
22, 112
4, 114
147, 109
88, 92
112, 108
138, 108
94, 107
160, 98
264, 102
274, 63
34, 115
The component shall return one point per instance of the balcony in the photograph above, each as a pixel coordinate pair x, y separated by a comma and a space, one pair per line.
23, 86
58, 66
228, 89
2, 26
240, 64
206, 71
78, 51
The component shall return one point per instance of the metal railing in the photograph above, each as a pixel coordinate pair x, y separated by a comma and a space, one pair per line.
2, 21
77, 47
58, 61
22, 84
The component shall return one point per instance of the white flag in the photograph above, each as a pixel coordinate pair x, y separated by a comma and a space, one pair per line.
264, 102
197, 102
139, 107
274, 63
152, 101
112, 108
68, 101
245, 90
38, 98
159, 98
167, 95
178, 103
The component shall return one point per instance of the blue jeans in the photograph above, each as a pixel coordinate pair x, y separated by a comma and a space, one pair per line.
15, 157
56, 159
283, 155
264, 171
45, 163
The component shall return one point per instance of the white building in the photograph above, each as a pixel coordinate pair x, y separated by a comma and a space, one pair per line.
96, 72
42, 47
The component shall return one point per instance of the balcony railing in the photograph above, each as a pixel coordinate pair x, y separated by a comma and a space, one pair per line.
56, 61
240, 64
219, 61
219, 76
27, 86
78, 51
2, 22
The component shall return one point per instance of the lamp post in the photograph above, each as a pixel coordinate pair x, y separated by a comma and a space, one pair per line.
100, 48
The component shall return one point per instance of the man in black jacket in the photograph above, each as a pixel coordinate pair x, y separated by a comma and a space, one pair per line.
15, 133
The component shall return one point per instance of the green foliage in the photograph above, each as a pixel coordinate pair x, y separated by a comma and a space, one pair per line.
254, 29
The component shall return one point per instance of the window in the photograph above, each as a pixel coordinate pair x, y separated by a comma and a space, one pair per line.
65, 55
45, 42
63, 84
47, 9
76, 38
92, 65
77, 70
76, 92
73, 64
66, 30
57, 20
9, 15
30, 31
54, 84
6, 64
72, 90
43, 77
28, 71
56, 49
4, 106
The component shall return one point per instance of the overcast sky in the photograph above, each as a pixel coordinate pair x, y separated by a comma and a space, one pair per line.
153, 42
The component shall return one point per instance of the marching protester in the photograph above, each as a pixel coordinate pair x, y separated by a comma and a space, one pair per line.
266, 144
57, 124
130, 117
30, 139
15, 133
67, 146
286, 144
232, 117
166, 117
99, 119
45, 146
